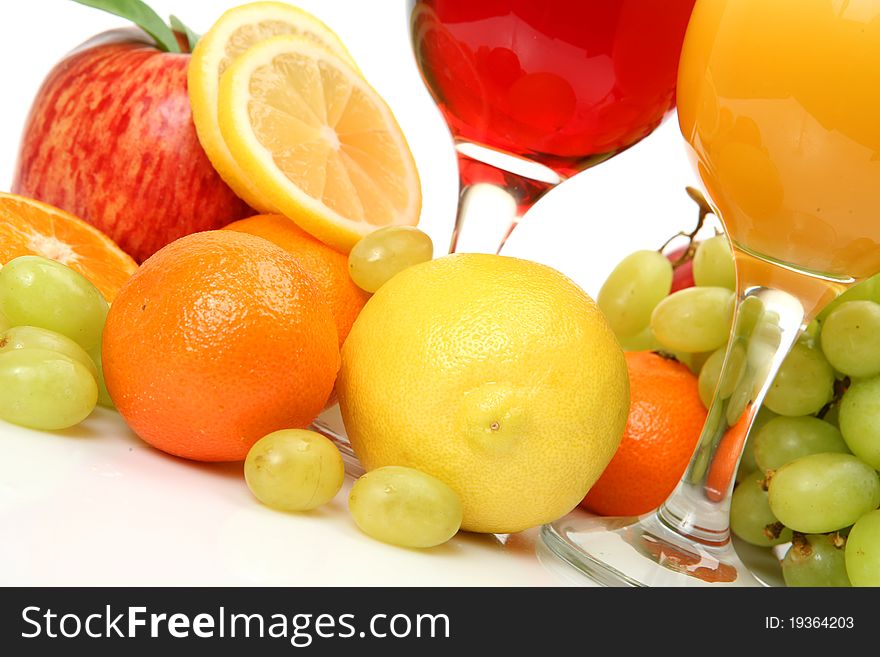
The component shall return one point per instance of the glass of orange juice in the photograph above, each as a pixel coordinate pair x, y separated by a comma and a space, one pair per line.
779, 102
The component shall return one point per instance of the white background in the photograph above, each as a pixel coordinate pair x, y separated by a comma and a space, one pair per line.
94, 505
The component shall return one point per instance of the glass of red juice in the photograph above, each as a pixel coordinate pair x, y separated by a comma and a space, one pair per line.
535, 91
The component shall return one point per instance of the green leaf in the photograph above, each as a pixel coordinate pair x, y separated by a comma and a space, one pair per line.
191, 37
142, 16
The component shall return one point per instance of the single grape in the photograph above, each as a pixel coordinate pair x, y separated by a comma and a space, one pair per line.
380, 255
694, 362
644, 340
33, 337
713, 264
750, 516
860, 420
694, 319
803, 385
822, 493
863, 551
784, 439
42, 389
36, 291
632, 290
869, 289
851, 338
405, 507
815, 560
294, 470
103, 396
709, 375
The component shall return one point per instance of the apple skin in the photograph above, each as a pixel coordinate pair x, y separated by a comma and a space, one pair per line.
110, 139
683, 274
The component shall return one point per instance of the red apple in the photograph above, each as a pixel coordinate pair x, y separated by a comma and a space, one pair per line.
110, 138
683, 273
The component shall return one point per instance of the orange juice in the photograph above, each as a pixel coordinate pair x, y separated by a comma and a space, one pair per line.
780, 103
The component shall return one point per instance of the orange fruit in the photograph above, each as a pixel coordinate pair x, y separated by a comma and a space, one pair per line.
219, 339
665, 419
29, 227
329, 268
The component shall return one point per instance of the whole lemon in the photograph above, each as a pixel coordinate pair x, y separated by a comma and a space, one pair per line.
498, 376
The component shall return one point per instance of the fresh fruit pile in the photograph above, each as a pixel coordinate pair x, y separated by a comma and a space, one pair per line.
808, 476
462, 381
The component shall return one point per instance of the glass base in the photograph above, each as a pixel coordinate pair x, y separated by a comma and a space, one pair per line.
642, 552
329, 424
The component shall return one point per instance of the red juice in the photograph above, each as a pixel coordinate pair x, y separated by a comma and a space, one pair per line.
566, 83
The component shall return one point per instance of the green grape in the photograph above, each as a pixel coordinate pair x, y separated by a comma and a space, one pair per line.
750, 516
832, 415
863, 551
851, 338
294, 470
634, 287
36, 291
103, 396
868, 289
803, 385
860, 420
42, 389
747, 463
822, 493
33, 337
694, 362
815, 560
713, 264
644, 340
784, 439
405, 507
694, 319
709, 375
4, 323
380, 255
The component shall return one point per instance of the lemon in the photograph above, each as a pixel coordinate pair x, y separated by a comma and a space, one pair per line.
498, 376
317, 142
231, 35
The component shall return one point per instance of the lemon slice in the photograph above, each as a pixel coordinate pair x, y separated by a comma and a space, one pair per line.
317, 141
233, 33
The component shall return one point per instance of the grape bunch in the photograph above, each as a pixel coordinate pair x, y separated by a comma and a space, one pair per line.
808, 478
51, 320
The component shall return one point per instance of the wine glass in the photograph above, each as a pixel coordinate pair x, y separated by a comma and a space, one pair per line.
535, 92
778, 102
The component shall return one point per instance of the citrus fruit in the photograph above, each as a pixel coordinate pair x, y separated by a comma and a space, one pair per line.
220, 338
327, 267
317, 142
666, 417
232, 34
498, 376
29, 227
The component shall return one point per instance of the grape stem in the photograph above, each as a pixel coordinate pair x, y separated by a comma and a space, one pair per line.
704, 210
840, 387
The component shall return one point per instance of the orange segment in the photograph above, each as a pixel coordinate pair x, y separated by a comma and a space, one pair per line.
29, 227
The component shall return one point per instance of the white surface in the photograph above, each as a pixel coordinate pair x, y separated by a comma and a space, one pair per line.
95, 505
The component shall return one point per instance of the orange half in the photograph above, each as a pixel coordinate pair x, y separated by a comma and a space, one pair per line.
29, 227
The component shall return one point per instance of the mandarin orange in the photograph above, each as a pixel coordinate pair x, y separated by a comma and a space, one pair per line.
219, 339
328, 267
665, 419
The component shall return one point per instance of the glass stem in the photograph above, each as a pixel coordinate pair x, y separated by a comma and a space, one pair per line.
767, 322
492, 200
